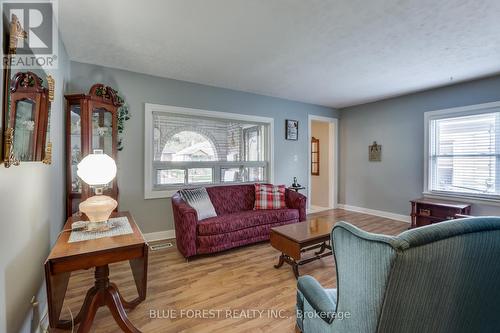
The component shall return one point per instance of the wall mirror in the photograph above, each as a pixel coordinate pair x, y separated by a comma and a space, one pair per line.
24, 125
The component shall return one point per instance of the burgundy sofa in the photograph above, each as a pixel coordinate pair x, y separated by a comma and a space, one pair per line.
236, 223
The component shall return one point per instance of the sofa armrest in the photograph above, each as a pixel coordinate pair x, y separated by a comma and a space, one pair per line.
317, 297
298, 201
185, 220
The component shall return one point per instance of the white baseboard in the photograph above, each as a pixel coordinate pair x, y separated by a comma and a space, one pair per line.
380, 213
160, 235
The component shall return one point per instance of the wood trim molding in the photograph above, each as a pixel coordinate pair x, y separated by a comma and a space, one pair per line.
159, 235
380, 213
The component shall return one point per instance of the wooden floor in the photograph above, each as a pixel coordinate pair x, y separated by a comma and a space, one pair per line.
241, 281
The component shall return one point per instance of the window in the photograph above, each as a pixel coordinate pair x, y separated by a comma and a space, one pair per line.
189, 148
463, 153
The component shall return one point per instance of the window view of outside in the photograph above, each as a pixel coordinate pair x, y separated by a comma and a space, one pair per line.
209, 152
171, 177
466, 154
200, 175
188, 146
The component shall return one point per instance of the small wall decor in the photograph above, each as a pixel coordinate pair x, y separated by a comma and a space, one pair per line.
10, 158
314, 156
292, 129
10, 38
25, 116
51, 83
48, 154
28, 116
375, 152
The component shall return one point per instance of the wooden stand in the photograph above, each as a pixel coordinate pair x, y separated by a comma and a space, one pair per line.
101, 294
425, 211
67, 257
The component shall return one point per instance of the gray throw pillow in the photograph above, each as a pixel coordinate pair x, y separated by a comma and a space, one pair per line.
198, 199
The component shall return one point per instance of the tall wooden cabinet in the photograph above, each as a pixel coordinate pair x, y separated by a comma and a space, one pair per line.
91, 123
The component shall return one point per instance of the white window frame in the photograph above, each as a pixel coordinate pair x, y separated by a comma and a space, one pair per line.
443, 114
149, 191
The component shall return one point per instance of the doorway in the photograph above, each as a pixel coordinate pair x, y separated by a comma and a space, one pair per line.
323, 141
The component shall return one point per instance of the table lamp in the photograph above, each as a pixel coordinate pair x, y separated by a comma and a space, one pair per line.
97, 170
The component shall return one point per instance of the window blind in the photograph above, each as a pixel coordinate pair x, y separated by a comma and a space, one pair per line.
464, 154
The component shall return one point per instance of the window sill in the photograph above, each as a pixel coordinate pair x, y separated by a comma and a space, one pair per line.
463, 198
168, 193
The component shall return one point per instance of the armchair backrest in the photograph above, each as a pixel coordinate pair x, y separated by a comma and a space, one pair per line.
440, 278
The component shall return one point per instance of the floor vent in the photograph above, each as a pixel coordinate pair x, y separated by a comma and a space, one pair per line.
160, 246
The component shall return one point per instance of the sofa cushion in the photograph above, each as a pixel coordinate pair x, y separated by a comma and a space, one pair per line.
221, 242
245, 219
268, 196
232, 199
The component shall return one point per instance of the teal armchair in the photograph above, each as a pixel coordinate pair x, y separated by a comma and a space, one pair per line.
439, 278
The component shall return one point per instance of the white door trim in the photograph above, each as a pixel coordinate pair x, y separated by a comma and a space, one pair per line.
333, 172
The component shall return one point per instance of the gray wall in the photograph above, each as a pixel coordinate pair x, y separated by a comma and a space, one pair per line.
398, 125
156, 215
32, 214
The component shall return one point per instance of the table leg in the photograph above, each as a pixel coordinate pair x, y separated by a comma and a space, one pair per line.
107, 294
56, 290
68, 324
113, 301
292, 262
281, 261
88, 318
295, 268
139, 268
296, 263
321, 249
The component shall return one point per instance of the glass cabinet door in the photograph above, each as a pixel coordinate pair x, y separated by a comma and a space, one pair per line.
24, 128
102, 131
76, 146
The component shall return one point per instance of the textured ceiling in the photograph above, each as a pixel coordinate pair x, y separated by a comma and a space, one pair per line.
328, 52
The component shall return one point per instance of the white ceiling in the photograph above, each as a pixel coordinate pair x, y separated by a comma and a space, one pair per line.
329, 52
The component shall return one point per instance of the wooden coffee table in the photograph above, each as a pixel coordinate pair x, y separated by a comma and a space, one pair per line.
295, 239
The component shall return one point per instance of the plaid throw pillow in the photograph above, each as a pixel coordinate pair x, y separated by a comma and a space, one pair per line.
269, 196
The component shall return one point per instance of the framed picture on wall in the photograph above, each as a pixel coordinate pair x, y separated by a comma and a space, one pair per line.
291, 129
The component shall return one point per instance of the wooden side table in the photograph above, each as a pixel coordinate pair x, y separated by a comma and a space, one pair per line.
99, 253
296, 189
425, 211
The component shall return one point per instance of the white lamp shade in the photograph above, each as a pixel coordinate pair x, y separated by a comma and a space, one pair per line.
97, 169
